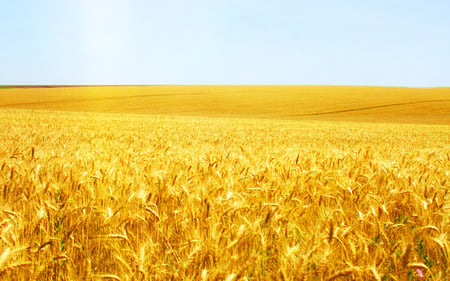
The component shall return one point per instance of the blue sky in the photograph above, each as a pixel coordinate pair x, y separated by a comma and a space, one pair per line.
383, 42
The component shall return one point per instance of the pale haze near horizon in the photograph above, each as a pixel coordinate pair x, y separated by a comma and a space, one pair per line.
381, 43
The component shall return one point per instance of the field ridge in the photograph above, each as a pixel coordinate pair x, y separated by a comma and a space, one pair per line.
370, 107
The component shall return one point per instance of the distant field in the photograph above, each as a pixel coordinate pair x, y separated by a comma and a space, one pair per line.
373, 104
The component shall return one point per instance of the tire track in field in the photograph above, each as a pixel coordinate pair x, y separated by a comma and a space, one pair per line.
366, 108
96, 99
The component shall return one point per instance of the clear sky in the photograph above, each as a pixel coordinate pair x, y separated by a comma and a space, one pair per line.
322, 42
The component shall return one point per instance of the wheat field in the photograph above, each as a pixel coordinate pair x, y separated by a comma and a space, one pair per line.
123, 196
328, 103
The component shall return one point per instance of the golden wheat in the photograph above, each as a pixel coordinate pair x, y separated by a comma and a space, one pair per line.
90, 196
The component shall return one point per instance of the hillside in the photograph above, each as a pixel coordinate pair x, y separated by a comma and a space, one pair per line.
373, 104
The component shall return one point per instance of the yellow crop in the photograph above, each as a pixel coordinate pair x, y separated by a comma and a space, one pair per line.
101, 196
332, 103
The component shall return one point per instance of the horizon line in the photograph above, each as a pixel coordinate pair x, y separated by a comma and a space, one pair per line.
205, 85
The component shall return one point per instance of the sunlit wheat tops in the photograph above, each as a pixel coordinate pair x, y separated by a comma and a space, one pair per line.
90, 196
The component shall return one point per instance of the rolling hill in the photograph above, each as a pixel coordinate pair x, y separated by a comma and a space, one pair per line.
346, 103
